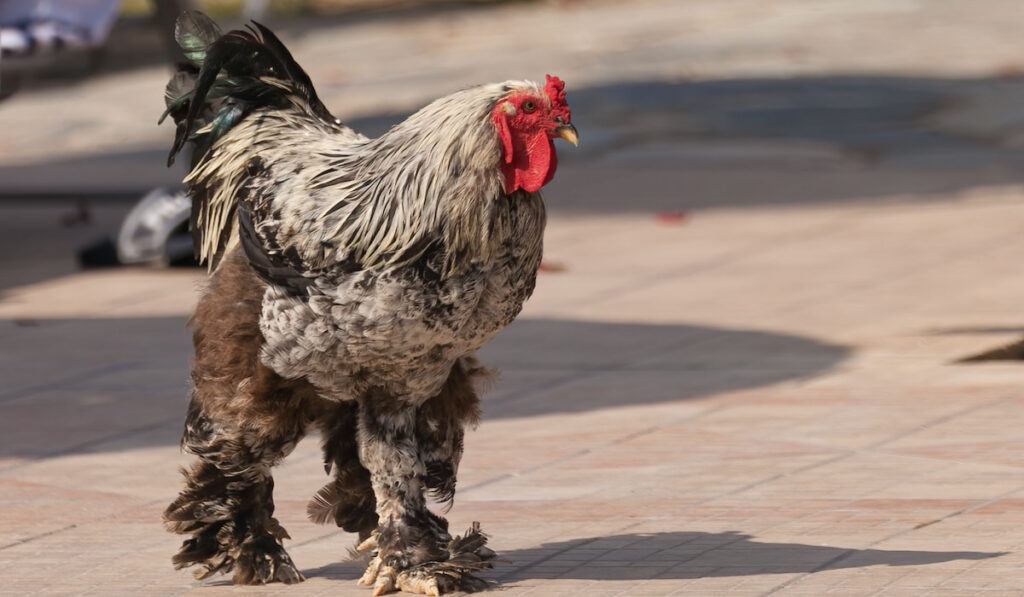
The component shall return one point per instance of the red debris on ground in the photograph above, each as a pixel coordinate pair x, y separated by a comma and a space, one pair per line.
551, 268
672, 218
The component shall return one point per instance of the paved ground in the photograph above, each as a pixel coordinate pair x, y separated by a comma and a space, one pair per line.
783, 228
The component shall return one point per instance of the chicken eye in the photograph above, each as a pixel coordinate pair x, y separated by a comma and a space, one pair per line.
529, 106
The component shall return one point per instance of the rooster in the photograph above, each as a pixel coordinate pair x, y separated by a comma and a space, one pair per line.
352, 280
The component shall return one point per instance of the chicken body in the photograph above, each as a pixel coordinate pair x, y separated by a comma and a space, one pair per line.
396, 330
352, 281
390, 295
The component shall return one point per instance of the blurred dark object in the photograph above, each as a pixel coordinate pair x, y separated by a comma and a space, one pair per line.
102, 253
81, 216
1009, 352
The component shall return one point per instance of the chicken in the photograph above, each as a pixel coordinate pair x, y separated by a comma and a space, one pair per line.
352, 280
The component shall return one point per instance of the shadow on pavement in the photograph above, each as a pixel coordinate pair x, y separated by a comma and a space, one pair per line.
46, 237
561, 366
680, 555
647, 147
703, 144
99, 385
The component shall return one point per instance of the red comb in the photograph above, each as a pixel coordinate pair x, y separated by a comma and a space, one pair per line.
555, 89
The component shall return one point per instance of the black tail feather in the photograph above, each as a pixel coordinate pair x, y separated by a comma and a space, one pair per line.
228, 76
195, 32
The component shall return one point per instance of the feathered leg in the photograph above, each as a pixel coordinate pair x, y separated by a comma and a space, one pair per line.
242, 420
408, 451
440, 427
388, 449
227, 505
348, 500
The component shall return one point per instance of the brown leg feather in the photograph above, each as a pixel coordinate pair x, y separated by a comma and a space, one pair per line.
243, 419
348, 500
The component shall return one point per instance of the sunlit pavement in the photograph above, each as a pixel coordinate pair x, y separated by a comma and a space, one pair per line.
737, 375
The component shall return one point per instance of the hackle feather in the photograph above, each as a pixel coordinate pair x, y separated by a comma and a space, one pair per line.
321, 195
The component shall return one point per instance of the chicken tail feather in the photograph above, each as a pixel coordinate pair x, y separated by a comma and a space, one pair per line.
226, 76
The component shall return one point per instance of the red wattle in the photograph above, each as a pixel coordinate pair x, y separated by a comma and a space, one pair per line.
533, 162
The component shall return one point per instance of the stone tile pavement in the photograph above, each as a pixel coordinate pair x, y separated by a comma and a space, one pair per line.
737, 378
756, 401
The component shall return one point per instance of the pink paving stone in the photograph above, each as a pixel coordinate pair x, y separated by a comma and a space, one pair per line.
760, 401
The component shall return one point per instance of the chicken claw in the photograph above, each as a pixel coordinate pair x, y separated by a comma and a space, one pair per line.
369, 544
370, 576
420, 584
385, 581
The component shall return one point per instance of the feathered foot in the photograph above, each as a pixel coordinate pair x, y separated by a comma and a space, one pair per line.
227, 505
265, 561
256, 560
464, 556
256, 556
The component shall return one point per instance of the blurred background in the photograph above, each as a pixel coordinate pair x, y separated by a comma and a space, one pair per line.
785, 223
800, 101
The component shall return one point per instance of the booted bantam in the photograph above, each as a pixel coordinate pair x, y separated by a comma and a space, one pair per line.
352, 280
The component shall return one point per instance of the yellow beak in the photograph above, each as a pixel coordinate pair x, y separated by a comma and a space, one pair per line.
568, 132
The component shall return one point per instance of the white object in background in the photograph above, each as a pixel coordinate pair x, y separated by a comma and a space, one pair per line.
27, 25
148, 232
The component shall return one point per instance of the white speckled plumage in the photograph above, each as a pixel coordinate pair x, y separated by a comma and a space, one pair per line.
383, 265
430, 181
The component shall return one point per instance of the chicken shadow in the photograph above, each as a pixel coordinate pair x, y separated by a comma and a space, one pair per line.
560, 366
99, 385
679, 555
